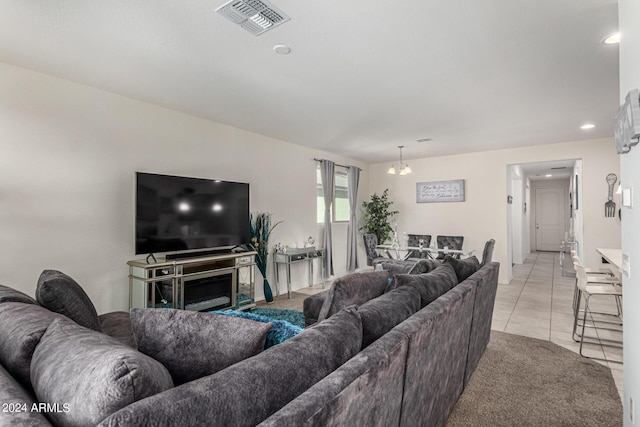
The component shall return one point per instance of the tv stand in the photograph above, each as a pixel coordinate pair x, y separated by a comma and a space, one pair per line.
200, 283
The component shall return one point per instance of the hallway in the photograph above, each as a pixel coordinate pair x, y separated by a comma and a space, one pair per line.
538, 303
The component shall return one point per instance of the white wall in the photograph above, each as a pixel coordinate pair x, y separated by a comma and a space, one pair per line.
629, 21
484, 214
518, 216
68, 154
578, 215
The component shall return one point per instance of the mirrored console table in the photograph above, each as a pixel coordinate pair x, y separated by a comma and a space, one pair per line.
292, 256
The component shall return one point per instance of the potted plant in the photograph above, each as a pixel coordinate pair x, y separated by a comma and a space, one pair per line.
377, 215
260, 229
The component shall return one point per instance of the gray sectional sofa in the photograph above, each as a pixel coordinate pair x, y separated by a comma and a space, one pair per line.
387, 352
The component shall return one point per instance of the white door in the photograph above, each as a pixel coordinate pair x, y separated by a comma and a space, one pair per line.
550, 218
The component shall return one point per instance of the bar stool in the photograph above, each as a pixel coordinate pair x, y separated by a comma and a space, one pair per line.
589, 289
594, 276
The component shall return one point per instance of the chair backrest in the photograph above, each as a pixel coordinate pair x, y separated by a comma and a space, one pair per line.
452, 242
487, 254
370, 243
414, 240
581, 276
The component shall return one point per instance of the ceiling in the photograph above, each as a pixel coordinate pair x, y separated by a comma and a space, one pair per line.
561, 169
362, 77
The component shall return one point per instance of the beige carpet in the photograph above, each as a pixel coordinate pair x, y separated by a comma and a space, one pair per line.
523, 381
284, 303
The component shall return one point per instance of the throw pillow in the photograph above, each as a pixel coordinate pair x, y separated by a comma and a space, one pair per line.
281, 330
382, 314
463, 267
353, 289
61, 294
193, 345
91, 373
21, 328
430, 285
8, 294
424, 266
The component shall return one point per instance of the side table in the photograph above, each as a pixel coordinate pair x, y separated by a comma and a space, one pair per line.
297, 255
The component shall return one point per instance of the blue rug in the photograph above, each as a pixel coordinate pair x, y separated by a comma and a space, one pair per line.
283, 326
292, 316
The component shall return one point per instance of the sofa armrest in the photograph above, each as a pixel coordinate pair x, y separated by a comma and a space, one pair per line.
311, 307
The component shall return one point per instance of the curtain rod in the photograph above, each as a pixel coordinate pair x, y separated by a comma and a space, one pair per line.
342, 166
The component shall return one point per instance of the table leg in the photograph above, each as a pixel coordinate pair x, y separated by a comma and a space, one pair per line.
289, 279
310, 261
277, 277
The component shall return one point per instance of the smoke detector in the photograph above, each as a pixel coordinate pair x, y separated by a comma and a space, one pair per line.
255, 16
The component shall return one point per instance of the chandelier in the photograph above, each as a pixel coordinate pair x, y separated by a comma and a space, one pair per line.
403, 168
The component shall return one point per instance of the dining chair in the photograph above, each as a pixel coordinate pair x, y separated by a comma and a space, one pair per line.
487, 253
370, 243
588, 290
450, 242
414, 240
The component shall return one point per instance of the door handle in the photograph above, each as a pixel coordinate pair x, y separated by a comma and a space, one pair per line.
537, 226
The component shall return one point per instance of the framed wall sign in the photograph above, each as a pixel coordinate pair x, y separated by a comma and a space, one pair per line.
440, 191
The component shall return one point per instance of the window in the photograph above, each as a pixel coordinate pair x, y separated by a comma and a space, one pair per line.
340, 208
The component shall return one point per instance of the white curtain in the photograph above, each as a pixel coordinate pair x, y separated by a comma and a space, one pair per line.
353, 178
327, 174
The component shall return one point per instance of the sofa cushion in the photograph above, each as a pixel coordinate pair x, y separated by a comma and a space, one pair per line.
8, 294
92, 372
381, 314
365, 391
21, 327
353, 289
16, 403
248, 392
192, 344
436, 362
61, 294
431, 285
463, 267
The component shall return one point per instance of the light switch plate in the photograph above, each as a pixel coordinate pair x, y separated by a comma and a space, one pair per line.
627, 197
626, 266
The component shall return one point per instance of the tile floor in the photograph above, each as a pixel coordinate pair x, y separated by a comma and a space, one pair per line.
538, 303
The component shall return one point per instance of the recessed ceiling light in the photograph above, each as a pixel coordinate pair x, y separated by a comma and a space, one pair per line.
587, 126
282, 49
548, 175
612, 39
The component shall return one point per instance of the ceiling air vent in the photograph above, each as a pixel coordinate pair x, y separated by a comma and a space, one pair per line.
255, 16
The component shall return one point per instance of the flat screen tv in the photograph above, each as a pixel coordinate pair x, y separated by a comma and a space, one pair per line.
175, 213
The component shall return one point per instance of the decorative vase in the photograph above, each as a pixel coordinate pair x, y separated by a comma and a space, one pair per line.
267, 291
